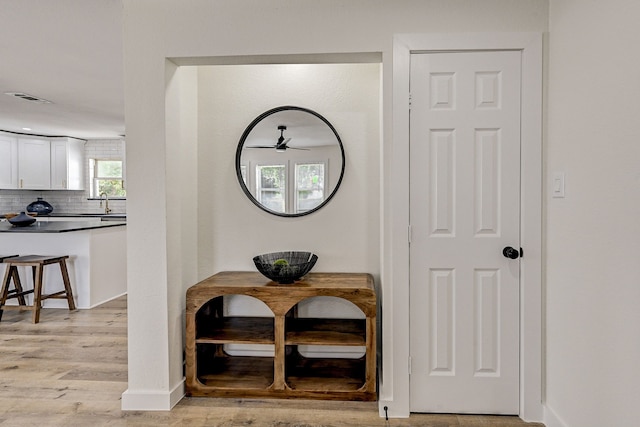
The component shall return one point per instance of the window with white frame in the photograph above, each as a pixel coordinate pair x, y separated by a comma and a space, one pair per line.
277, 188
271, 186
107, 176
243, 172
309, 186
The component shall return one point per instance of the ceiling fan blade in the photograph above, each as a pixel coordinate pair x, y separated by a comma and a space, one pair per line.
298, 148
261, 146
282, 143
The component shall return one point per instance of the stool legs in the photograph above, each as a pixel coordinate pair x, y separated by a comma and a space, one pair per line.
18, 287
11, 273
67, 293
37, 264
67, 284
37, 271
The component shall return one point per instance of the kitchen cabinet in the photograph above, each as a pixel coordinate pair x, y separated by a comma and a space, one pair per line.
280, 368
8, 162
67, 164
34, 164
38, 163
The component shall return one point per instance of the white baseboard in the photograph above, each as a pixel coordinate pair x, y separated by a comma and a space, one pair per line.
393, 409
551, 419
149, 400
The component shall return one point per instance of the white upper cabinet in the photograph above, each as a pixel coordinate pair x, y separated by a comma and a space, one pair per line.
40, 163
8, 162
34, 164
67, 164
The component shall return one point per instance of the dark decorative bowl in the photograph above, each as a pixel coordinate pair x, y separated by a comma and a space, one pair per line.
285, 267
41, 207
22, 220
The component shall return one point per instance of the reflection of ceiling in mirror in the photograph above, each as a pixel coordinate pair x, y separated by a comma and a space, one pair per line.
304, 129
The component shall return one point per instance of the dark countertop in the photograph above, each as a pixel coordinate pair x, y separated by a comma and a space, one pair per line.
122, 216
87, 215
58, 226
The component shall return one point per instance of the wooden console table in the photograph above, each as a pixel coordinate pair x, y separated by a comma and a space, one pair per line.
210, 371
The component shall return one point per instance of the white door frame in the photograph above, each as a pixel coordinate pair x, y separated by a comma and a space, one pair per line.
394, 378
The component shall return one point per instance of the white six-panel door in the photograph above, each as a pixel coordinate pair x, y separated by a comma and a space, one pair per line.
464, 210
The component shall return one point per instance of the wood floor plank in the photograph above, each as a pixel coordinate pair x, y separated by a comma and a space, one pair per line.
71, 370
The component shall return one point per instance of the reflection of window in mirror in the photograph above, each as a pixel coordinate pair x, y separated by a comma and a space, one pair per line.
275, 191
310, 179
243, 171
107, 176
271, 186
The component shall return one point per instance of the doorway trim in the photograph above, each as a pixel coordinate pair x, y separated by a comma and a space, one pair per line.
394, 384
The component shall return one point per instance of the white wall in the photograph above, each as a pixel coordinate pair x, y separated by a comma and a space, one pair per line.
593, 234
348, 96
239, 30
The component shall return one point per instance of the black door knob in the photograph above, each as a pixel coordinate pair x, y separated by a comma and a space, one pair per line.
510, 252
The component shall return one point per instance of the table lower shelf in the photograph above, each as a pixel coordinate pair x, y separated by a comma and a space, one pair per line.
237, 372
324, 374
224, 375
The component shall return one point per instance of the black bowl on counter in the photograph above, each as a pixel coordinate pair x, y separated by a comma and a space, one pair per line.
285, 267
22, 220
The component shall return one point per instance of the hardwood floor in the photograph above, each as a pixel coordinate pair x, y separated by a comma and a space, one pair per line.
71, 369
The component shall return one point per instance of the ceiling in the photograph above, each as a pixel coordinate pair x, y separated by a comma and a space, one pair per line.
68, 52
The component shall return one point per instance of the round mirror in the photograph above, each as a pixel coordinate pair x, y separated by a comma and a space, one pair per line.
290, 161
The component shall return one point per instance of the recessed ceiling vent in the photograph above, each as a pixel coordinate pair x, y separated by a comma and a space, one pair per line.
28, 97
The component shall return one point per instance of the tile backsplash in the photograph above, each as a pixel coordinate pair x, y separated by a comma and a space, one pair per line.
70, 201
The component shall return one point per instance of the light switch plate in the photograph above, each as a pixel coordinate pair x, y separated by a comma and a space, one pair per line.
557, 185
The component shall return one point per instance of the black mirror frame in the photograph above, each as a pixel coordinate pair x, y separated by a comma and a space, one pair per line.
243, 138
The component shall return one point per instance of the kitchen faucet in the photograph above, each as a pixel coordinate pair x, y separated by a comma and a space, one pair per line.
106, 204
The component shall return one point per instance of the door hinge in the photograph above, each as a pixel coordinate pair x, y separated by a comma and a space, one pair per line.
409, 100
409, 232
409, 365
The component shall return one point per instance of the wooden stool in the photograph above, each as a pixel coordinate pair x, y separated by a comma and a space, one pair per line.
37, 263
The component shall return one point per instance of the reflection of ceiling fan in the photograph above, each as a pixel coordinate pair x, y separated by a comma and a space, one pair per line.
281, 145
